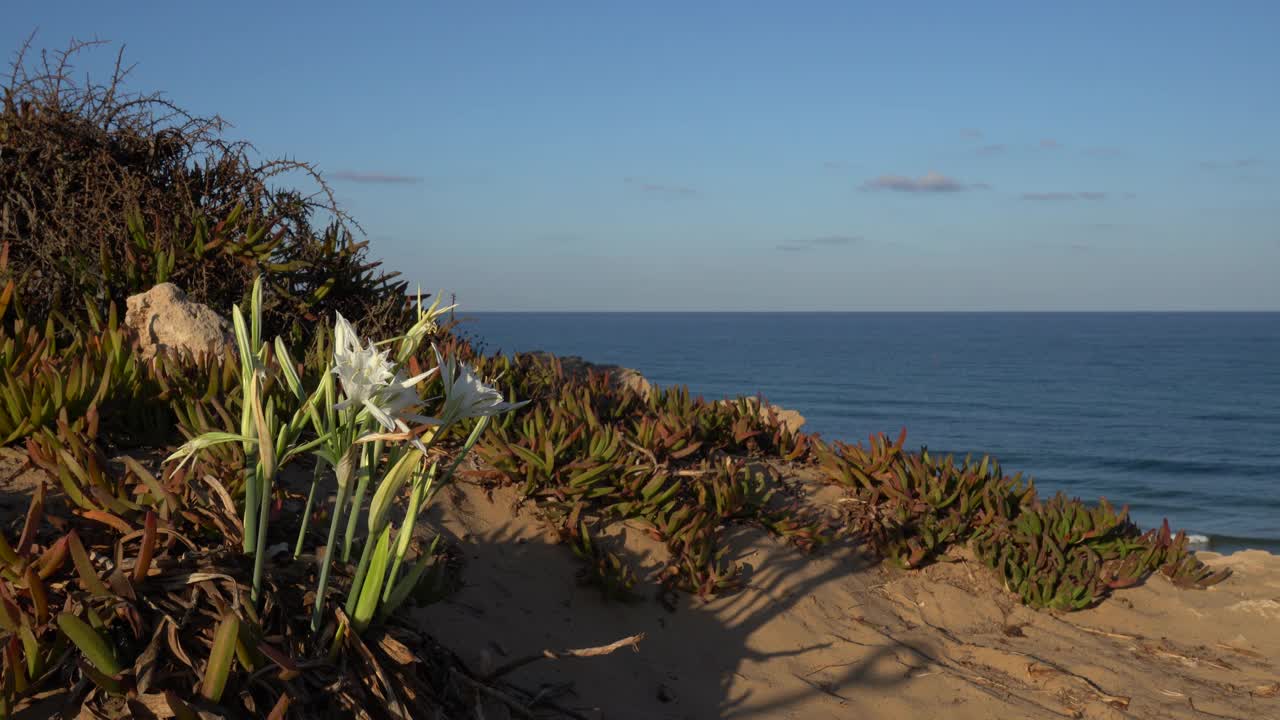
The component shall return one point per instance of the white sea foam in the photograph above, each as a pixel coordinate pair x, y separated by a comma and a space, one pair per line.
1198, 541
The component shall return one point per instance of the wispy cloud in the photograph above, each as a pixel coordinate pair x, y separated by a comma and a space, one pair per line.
837, 239
971, 134
374, 178
1061, 196
1050, 144
930, 182
808, 244
559, 238
662, 188
1230, 164
992, 149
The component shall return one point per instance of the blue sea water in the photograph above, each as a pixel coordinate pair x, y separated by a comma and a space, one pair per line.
1175, 414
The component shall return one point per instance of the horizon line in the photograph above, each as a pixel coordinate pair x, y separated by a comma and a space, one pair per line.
1228, 311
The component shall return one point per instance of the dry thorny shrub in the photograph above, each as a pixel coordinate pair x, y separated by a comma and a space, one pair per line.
105, 192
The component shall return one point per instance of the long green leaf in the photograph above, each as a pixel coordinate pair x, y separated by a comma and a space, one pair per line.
220, 657
95, 649
371, 589
243, 345
255, 310
403, 588
390, 486
84, 568
287, 368
207, 440
422, 482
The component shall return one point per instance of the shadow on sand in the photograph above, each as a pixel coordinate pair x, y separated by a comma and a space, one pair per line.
786, 645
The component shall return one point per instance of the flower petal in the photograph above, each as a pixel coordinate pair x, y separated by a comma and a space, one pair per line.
380, 415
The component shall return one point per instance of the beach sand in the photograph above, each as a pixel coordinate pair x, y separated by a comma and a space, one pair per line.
830, 635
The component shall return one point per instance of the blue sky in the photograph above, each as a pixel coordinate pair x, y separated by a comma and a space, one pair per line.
757, 156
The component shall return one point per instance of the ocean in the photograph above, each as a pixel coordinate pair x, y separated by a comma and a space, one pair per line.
1175, 414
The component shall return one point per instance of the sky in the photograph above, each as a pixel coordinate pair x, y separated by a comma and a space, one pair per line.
756, 156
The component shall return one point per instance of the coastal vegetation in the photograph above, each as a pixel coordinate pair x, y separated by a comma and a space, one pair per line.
238, 534
590, 451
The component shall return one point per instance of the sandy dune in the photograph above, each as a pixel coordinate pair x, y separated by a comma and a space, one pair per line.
830, 636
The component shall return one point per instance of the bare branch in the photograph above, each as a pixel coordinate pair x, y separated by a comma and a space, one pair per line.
632, 642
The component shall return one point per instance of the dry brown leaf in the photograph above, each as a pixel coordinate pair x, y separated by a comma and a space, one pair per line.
153, 703
176, 647
281, 707
353, 641
395, 649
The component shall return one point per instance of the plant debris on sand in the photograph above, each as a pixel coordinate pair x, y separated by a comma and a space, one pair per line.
123, 615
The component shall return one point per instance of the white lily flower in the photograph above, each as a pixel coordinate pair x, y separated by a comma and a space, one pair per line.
345, 340
465, 396
372, 382
394, 401
362, 374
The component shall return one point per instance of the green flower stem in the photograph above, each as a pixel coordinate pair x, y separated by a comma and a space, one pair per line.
306, 512
397, 558
344, 483
418, 500
362, 486
362, 570
264, 514
472, 439
250, 502
249, 346
357, 582
371, 458
405, 534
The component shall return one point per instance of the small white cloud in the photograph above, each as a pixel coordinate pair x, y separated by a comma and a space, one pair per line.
818, 242
375, 178
1230, 164
1061, 196
663, 188
930, 182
